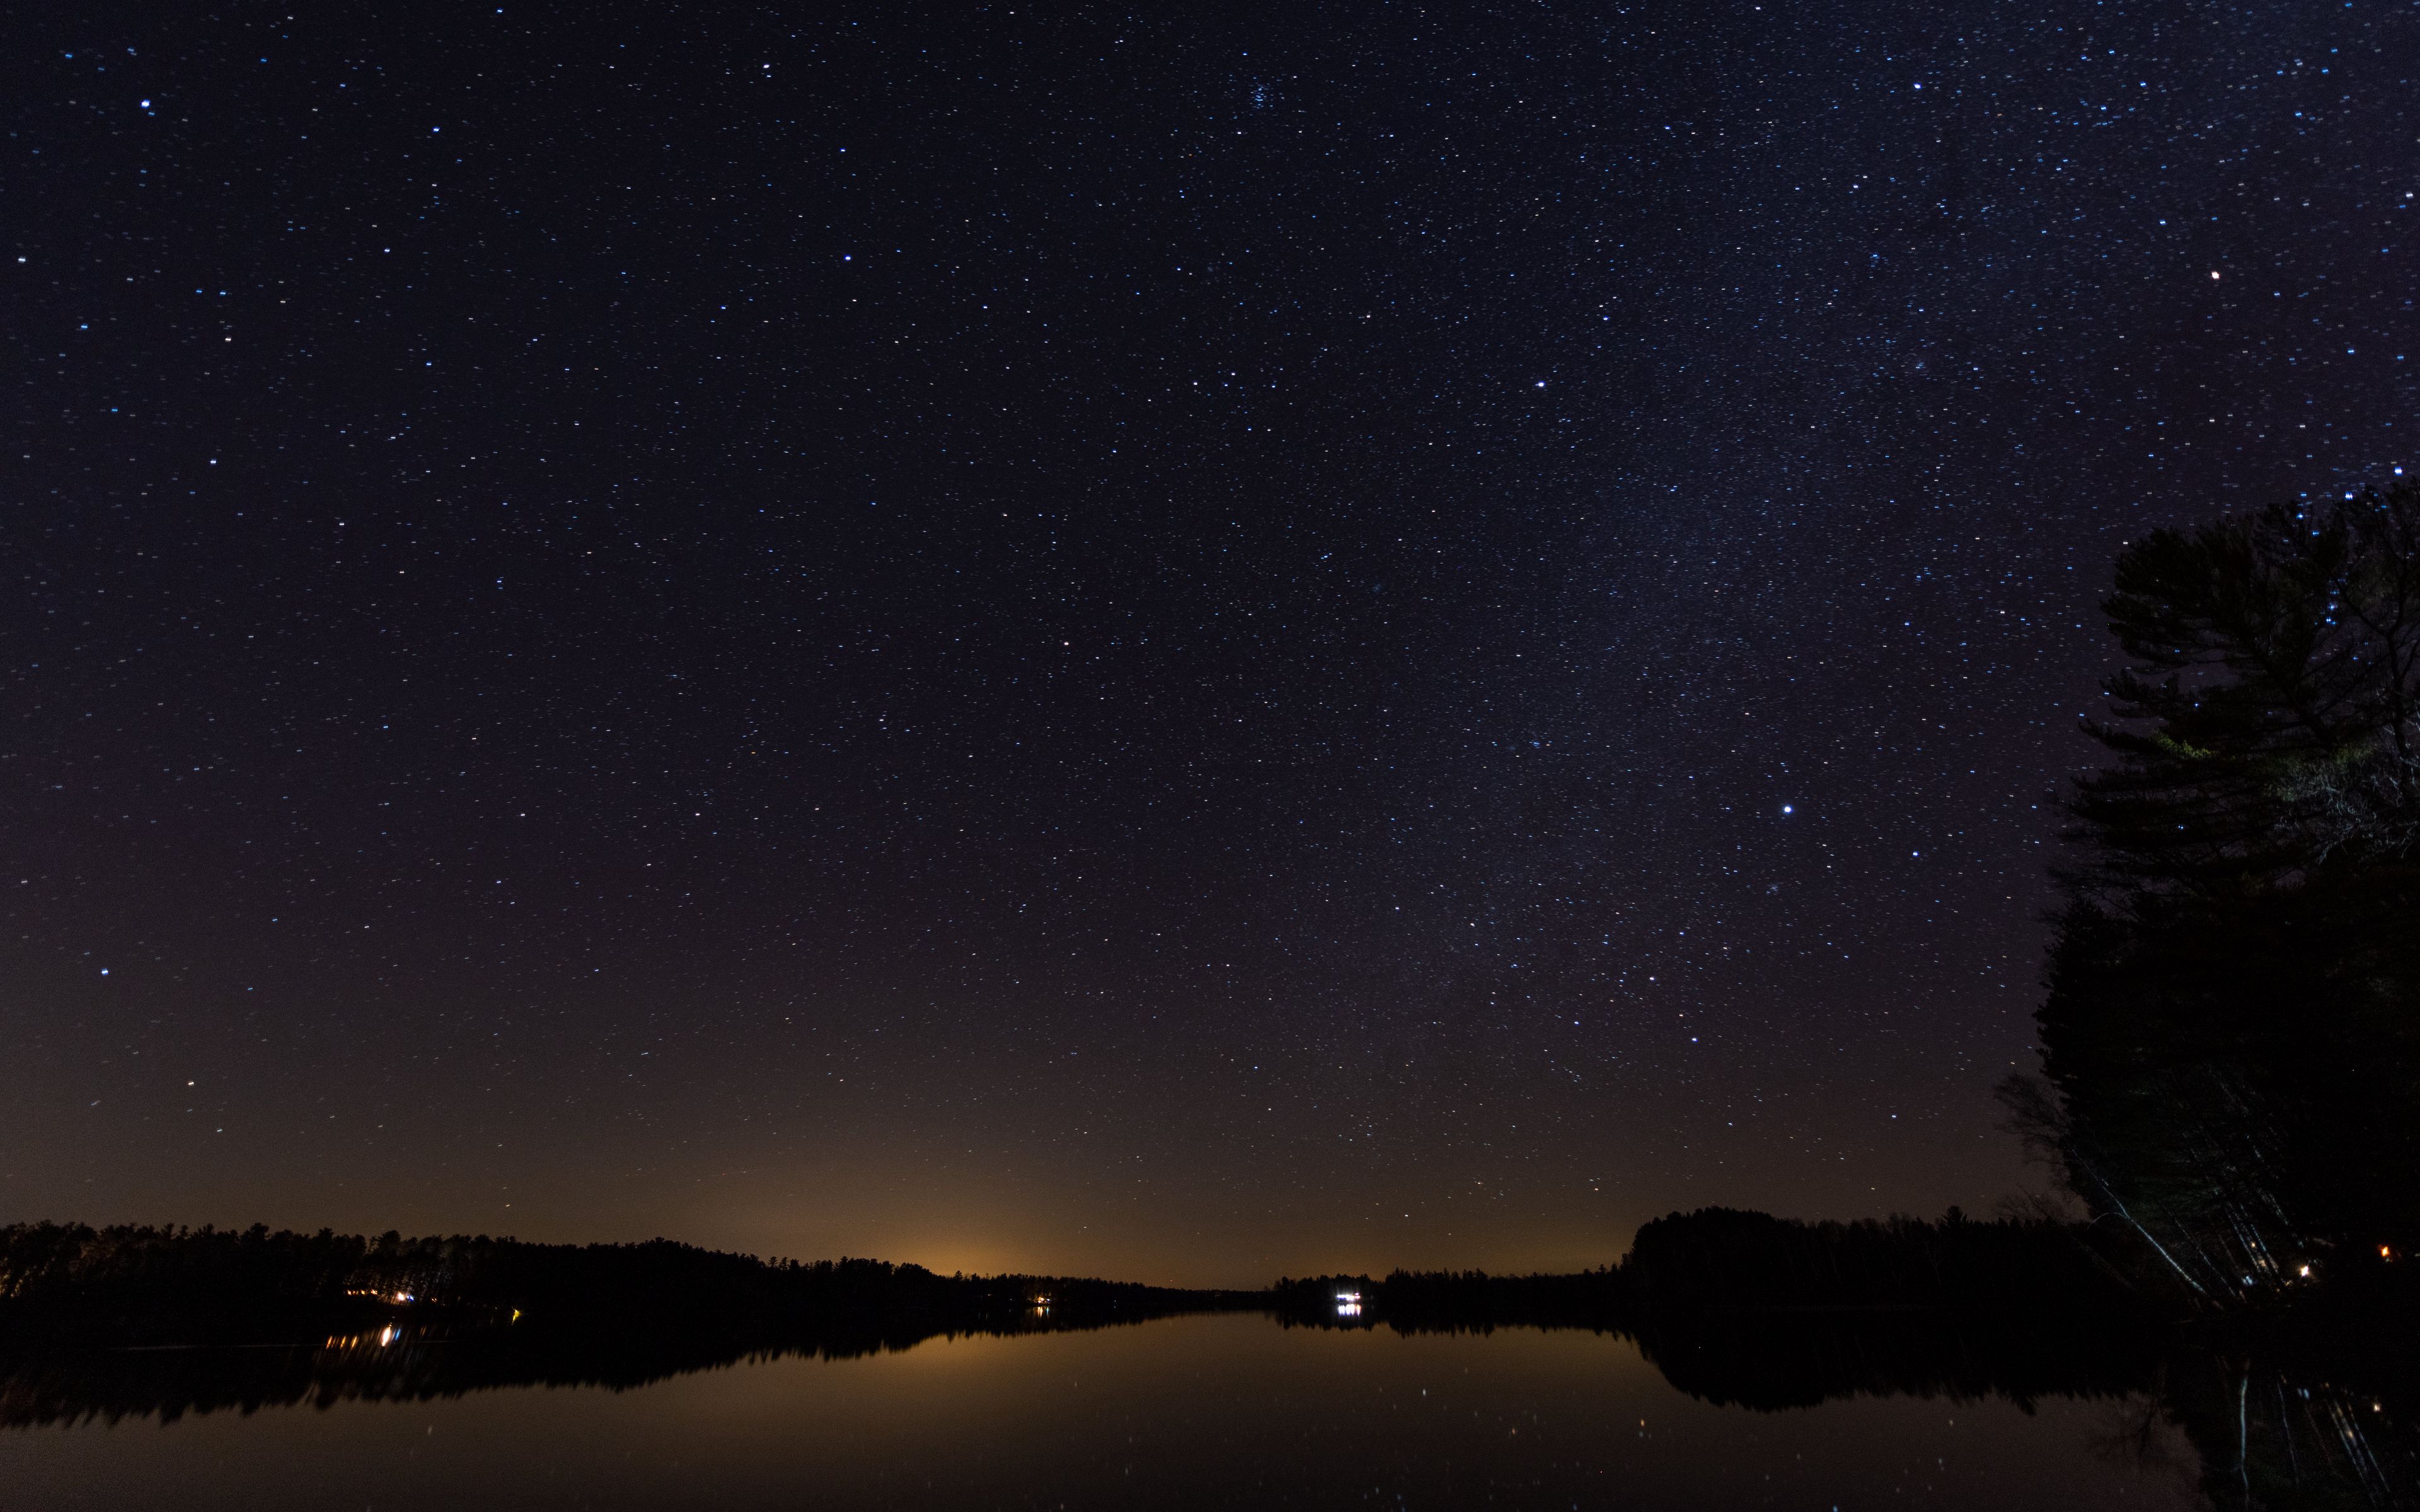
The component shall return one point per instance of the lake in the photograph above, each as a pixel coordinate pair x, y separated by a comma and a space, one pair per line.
1218, 1411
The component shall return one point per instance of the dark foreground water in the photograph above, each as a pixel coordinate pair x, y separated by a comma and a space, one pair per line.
1199, 1412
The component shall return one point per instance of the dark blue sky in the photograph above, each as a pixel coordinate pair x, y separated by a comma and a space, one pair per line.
1180, 647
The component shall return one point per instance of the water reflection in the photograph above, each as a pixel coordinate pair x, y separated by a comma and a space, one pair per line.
2273, 1423
1213, 1411
1719, 1408
401, 1363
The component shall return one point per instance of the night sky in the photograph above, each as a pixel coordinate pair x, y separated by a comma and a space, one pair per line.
1186, 646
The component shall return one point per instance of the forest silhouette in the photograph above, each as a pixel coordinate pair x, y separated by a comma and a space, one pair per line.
2231, 1052
2309, 1402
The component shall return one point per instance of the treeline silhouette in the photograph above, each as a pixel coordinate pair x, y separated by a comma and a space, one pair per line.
134, 1285
2231, 1035
2310, 1403
1722, 1260
126, 1285
1719, 1258
1748, 1309
1453, 1302
49, 1386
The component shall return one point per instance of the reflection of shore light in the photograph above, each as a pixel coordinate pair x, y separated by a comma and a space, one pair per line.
386, 1334
1348, 1304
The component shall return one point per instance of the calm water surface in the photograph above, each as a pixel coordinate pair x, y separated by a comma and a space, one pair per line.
1226, 1410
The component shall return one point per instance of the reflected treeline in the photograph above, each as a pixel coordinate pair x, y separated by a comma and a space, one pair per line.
64, 1384
143, 1321
133, 1320
1748, 1309
2292, 1412
2308, 1404
1768, 1361
2232, 1038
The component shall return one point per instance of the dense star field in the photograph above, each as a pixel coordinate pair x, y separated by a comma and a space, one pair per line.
1181, 646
